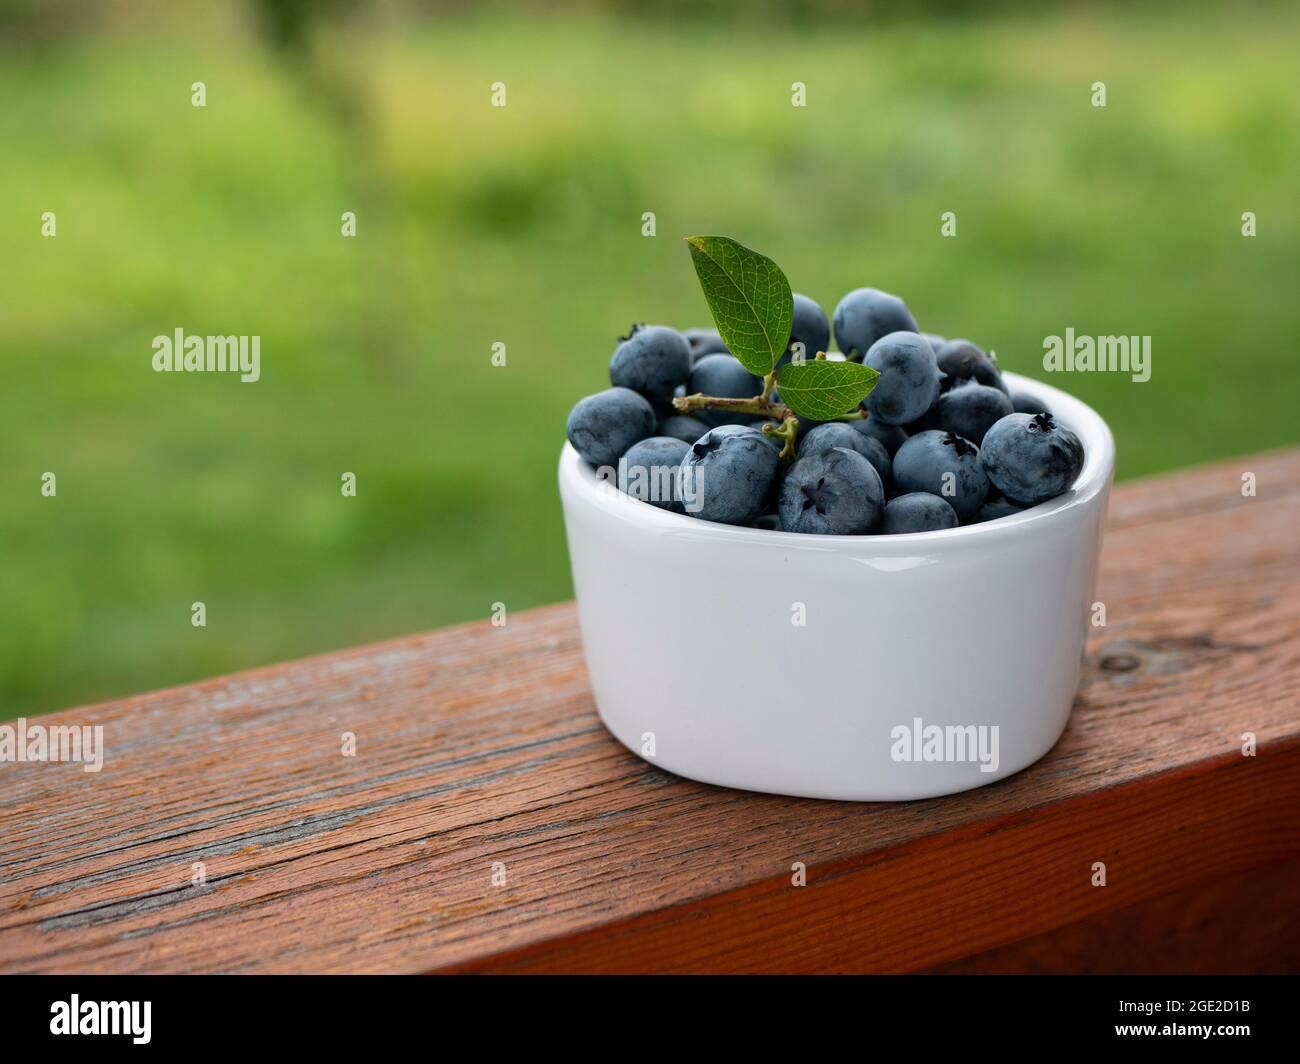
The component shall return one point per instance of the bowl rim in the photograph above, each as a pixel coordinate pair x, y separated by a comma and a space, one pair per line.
580, 478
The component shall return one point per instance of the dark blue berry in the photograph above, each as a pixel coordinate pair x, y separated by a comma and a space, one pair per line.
1024, 403
909, 378
705, 342
809, 327
603, 426
722, 377
835, 492
969, 410
992, 509
682, 427
727, 474
961, 360
946, 465
653, 361
841, 434
865, 315
1031, 458
891, 437
650, 471
917, 511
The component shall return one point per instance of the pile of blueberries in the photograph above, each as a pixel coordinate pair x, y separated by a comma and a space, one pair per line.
945, 442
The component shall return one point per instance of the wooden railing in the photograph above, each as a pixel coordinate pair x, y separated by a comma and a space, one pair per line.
488, 822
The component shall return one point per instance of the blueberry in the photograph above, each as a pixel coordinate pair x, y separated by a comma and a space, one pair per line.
992, 509
652, 360
603, 426
962, 360
728, 473
705, 342
969, 410
917, 511
681, 427
943, 464
865, 315
891, 437
881, 461
909, 378
650, 471
1031, 458
935, 341
1024, 403
841, 434
828, 434
724, 378
911, 428
835, 492
809, 328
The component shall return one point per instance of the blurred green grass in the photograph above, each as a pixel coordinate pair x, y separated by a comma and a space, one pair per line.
523, 225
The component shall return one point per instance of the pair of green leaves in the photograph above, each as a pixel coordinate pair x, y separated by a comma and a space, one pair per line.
753, 309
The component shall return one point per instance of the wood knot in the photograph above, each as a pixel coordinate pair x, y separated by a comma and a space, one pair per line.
1119, 662
1130, 660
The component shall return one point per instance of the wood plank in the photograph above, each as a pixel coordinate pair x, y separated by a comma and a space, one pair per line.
1244, 924
478, 745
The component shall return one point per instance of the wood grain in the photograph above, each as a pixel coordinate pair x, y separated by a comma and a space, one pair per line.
477, 745
1243, 924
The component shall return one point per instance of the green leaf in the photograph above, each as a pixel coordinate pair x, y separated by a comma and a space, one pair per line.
749, 297
821, 390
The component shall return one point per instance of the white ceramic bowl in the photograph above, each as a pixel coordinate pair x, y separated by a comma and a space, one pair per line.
697, 663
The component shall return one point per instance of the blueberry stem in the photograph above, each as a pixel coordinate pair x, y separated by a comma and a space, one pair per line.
760, 405
788, 431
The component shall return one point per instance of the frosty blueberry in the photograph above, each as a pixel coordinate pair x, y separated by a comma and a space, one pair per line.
1024, 403
603, 426
835, 492
909, 378
728, 474
969, 410
652, 361
725, 378
705, 342
962, 360
1031, 458
992, 509
917, 511
943, 464
840, 434
810, 327
682, 427
865, 315
892, 437
650, 471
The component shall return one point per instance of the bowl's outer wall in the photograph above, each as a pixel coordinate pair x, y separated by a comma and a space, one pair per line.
691, 642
